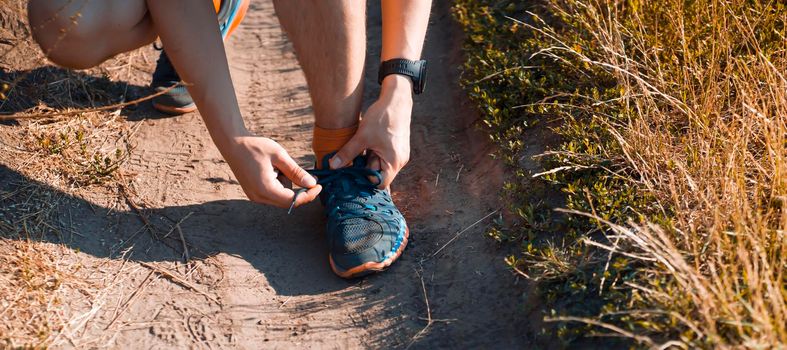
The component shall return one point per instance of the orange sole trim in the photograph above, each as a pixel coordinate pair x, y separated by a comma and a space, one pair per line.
175, 110
371, 266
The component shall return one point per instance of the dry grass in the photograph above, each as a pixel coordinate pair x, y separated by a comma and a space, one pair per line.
36, 285
77, 152
706, 134
672, 159
31, 281
48, 295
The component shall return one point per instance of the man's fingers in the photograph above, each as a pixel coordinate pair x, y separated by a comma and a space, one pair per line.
293, 171
351, 149
374, 161
308, 196
272, 190
389, 173
388, 177
285, 181
281, 197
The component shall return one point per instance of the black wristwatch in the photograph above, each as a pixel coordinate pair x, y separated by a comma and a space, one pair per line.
416, 70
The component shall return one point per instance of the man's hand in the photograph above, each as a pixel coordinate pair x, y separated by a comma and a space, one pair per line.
254, 159
384, 131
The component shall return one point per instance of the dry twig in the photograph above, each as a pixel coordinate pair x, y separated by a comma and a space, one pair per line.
177, 280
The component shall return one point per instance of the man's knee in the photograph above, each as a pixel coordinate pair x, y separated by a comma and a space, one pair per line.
66, 36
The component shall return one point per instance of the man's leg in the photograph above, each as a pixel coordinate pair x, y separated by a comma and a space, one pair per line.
82, 33
365, 232
330, 42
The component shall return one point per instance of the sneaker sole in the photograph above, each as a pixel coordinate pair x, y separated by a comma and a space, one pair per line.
370, 267
175, 110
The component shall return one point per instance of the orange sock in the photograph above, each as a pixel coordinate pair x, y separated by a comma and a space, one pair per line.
330, 140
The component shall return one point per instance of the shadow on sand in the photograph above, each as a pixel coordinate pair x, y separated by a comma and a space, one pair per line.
289, 250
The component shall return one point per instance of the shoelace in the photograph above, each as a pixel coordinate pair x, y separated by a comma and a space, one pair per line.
353, 182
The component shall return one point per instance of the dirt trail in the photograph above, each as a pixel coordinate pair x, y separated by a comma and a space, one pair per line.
259, 277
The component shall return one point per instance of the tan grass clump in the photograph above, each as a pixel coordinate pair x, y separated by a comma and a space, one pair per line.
32, 293
705, 94
79, 151
46, 294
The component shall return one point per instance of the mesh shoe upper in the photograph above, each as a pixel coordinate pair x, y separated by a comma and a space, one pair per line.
363, 223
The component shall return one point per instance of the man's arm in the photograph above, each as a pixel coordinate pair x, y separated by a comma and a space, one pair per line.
188, 31
385, 127
404, 28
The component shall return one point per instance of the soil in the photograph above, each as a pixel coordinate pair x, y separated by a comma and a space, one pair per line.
258, 277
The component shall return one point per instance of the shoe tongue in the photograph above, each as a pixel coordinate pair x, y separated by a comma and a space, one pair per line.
358, 163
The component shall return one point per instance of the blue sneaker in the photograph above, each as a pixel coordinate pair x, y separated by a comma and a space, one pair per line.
366, 233
177, 100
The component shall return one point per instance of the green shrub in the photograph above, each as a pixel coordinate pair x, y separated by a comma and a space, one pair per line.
645, 98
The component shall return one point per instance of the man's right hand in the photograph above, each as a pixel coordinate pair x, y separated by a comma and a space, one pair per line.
254, 161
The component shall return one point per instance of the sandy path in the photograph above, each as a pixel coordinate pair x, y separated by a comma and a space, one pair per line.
260, 278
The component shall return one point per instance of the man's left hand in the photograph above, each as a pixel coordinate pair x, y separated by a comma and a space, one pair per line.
384, 131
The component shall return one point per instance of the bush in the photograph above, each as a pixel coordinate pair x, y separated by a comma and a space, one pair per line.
672, 118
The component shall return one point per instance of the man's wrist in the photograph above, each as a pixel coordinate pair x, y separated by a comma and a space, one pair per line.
227, 134
397, 93
397, 85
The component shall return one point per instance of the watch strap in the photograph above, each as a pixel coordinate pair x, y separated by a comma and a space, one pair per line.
416, 70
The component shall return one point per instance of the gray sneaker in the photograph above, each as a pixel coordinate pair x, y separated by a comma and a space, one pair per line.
366, 232
177, 100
